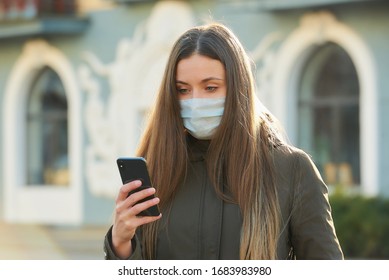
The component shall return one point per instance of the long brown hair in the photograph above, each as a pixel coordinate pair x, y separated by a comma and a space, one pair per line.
239, 156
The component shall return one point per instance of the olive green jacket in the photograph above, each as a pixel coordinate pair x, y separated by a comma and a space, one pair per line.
201, 226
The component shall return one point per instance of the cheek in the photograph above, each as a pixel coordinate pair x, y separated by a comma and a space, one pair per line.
222, 92
183, 96
225, 91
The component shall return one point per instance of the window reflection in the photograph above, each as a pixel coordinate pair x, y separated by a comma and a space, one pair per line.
329, 115
47, 131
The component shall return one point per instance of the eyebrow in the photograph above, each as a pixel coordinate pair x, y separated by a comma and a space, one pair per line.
202, 81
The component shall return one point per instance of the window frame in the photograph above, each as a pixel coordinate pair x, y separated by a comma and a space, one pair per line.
41, 205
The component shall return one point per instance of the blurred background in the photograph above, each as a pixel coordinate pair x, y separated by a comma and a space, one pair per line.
77, 78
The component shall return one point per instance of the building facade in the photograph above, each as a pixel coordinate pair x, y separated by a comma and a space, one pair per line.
77, 79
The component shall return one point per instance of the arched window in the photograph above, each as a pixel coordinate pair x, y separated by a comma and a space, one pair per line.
47, 131
329, 114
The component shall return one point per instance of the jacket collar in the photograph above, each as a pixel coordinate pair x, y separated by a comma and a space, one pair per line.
197, 148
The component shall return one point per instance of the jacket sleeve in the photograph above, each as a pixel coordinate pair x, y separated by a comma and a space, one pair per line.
313, 233
109, 253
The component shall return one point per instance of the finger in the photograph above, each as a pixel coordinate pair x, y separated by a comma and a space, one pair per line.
138, 196
129, 216
147, 219
138, 208
126, 188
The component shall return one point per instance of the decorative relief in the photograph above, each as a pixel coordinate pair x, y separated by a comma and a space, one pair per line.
114, 121
264, 56
320, 23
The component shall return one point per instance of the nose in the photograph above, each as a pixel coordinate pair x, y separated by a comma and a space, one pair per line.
197, 93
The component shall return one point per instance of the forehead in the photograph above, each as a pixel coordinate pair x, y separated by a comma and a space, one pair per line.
199, 66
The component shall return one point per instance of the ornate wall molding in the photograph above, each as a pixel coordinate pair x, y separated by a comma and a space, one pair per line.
114, 122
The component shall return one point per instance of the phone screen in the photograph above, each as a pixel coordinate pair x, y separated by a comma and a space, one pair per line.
135, 168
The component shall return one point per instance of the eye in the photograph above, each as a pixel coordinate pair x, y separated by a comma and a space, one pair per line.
182, 90
211, 89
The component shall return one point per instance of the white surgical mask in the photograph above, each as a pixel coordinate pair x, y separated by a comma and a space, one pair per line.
201, 116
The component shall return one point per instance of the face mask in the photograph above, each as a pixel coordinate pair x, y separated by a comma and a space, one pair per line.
201, 116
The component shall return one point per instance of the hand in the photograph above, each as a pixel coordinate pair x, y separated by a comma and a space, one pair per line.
126, 220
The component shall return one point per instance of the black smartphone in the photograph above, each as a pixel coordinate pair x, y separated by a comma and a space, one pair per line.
135, 168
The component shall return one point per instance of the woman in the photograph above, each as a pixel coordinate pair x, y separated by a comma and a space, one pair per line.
227, 185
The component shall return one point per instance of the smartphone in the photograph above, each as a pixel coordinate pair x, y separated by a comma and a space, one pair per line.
135, 168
